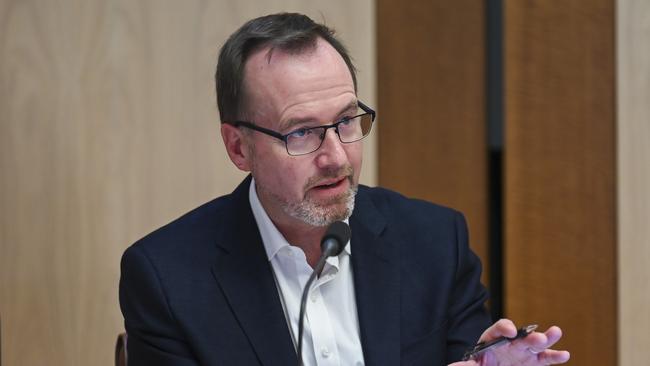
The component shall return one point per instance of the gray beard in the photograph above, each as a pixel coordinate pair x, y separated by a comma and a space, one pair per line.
318, 214
321, 215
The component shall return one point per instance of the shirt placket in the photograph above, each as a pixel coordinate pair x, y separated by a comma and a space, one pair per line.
323, 337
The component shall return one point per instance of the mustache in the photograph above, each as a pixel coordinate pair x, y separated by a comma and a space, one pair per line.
344, 171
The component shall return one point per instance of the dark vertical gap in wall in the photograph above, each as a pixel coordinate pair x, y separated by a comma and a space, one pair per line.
495, 121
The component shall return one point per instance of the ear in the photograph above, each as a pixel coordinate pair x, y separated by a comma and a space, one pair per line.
237, 146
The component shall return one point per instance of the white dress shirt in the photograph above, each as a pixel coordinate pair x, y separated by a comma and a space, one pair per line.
331, 333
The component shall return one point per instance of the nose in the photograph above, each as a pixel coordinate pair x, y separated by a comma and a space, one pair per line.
331, 154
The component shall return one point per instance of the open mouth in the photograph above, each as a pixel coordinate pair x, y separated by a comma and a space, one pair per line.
330, 185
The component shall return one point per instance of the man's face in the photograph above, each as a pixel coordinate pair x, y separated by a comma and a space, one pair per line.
286, 92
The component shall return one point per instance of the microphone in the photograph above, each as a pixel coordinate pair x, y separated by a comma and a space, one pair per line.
332, 244
335, 238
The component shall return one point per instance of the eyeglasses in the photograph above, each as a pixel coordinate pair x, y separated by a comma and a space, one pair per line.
307, 140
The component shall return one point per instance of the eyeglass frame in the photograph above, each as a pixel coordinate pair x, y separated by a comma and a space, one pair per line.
335, 126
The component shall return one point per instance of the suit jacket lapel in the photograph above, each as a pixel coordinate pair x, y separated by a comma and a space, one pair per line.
375, 264
246, 278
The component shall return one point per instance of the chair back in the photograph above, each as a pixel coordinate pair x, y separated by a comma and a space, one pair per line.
120, 350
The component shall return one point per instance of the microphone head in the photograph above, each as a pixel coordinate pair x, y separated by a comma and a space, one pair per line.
337, 233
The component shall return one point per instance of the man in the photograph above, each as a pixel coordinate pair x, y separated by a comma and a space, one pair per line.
222, 284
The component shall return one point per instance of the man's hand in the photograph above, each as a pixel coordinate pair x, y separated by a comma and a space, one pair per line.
533, 350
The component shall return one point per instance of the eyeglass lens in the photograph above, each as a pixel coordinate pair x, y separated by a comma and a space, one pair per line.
309, 140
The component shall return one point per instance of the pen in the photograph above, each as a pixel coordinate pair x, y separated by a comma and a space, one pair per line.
481, 347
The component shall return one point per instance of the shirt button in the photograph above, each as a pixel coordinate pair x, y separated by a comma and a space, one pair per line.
313, 297
325, 352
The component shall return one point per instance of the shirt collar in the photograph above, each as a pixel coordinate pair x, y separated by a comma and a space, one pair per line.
273, 240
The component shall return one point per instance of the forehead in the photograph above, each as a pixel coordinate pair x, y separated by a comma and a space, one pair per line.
280, 83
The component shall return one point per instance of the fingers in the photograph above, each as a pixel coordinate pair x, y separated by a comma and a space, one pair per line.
553, 334
464, 363
537, 342
532, 348
549, 356
553, 357
503, 327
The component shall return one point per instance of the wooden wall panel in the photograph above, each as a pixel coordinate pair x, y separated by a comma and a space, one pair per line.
633, 121
108, 130
431, 93
560, 172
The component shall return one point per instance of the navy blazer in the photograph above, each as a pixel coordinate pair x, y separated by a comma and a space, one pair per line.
200, 290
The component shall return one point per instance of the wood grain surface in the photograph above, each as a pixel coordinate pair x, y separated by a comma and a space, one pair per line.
431, 93
560, 173
108, 130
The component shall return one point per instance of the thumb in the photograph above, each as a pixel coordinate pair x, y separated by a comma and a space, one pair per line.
464, 363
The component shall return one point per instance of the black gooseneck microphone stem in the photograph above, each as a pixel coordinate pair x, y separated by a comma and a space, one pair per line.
303, 302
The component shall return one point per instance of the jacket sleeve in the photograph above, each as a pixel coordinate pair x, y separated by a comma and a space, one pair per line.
153, 335
468, 317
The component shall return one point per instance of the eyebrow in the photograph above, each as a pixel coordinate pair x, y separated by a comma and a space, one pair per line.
295, 121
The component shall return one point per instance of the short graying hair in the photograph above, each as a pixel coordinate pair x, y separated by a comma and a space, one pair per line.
289, 32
